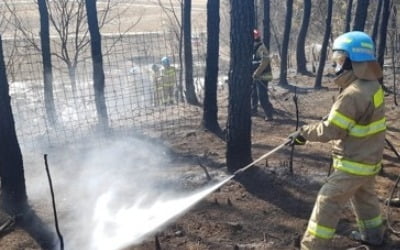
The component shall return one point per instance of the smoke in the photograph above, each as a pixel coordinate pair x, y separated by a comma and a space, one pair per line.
111, 195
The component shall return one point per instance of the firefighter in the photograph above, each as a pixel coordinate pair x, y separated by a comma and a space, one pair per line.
168, 81
158, 90
356, 124
261, 75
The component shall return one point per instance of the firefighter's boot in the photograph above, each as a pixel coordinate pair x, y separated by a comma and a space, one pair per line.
394, 202
373, 237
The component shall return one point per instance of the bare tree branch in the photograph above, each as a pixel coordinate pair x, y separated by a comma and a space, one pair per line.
69, 22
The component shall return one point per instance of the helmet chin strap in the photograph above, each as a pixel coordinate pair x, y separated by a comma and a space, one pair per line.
338, 72
345, 66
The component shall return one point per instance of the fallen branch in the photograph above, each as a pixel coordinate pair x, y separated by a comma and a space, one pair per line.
205, 169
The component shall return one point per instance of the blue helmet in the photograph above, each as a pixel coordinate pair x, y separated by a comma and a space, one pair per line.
165, 61
358, 46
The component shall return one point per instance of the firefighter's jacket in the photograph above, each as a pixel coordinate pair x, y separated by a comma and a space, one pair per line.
261, 60
168, 78
356, 125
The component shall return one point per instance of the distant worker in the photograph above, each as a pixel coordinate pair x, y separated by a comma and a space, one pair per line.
167, 81
262, 74
157, 86
356, 124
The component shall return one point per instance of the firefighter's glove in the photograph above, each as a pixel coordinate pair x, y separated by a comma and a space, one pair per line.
296, 138
256, 77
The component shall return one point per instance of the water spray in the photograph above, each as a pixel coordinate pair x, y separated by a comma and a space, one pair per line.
114, 229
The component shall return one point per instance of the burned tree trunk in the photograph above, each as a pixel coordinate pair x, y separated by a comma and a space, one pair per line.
301, 39
267, 24
376, 21
383, 31
394, 45
361, 15
210, 108
47, 66
97, 60
13, 194
190, 92
322, 59
347, 22
285, 44
239, 123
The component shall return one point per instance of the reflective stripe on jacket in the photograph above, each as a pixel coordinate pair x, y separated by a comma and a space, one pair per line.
169, 77
371, 223
356, 124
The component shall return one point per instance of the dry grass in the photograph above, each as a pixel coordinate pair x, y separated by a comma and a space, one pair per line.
123, 14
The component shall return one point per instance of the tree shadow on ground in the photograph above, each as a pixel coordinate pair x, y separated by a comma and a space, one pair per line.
389, 175
279, 191
390, 158
200, 160
393, 129
38, 230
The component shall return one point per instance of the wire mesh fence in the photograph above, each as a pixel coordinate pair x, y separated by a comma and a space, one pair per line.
135, 103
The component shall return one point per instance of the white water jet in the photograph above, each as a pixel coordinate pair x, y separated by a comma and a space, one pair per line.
114, 195
131, 225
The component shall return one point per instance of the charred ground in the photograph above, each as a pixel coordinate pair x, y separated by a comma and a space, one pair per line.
267, 207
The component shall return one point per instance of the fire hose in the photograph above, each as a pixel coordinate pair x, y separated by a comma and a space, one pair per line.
287, 142
295, 100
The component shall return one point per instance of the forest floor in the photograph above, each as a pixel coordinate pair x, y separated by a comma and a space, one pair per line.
266, 207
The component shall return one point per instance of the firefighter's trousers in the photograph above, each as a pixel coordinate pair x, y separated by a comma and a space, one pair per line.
340, 188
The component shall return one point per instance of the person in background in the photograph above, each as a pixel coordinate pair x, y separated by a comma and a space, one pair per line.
357, 125
167, 81
157, 87
261, 75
